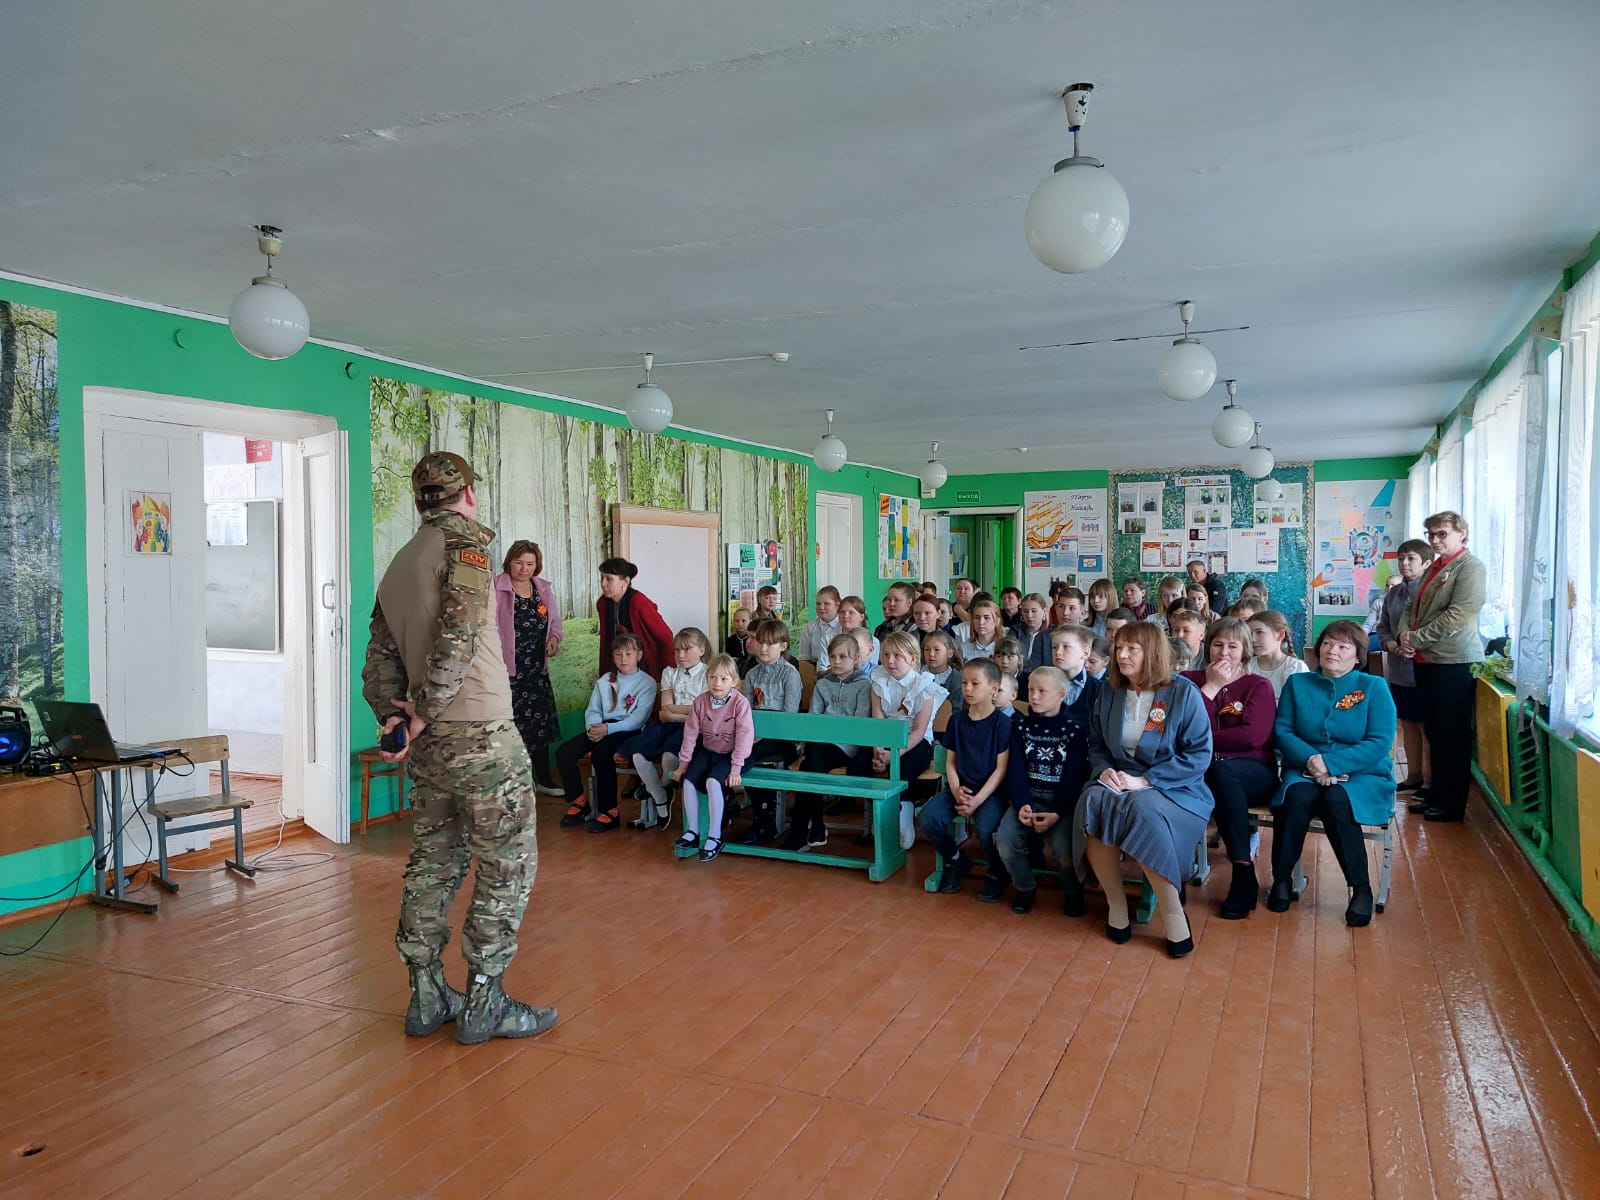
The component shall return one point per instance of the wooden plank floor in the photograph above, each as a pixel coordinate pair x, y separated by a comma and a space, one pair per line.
762, 1028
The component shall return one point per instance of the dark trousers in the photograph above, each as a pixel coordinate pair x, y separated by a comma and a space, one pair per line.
768, 752
938, 814
1446, 693
1236, 784
603, 772
1331, 805
913, 762
821, 757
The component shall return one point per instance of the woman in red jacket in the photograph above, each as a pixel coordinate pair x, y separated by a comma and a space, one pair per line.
622, 609
1244, 769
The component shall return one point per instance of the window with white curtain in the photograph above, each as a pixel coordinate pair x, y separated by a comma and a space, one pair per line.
1493, 493
1449, 468
1419, 495
1572, 693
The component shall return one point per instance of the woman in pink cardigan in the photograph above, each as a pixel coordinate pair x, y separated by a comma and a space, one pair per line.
530, 635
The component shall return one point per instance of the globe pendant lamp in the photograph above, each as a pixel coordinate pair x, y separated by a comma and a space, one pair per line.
934, 474
267, 319
649, 408
1258, 461
1270, 490
1232, 427
1078, 217
1188, 370
829, 453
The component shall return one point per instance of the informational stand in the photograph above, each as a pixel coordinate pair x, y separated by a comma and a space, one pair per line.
1067, 538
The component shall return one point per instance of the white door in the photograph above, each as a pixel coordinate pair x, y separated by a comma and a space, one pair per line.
316, 639
839, 555
936, 550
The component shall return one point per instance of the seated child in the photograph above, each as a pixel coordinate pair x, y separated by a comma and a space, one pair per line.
717, 738
1069, 607
617, 709
1102, 599
947, 615
927, 588
897, 603
925, 616
773, 685
1116, 619
940, 659
1188, 638
1049, 766
965, 591
1005, 698
853, 616
1099, 658
1168, 592
845, 691
822, 629
767, 604
1133, 599
983, 631
1010, 606
680, 684
902, 692
978, 742
1248, 605
1200, 600
1008, 657
1032, 631
737, 647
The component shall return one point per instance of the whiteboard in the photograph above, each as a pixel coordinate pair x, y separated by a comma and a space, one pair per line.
676, 553
242, 588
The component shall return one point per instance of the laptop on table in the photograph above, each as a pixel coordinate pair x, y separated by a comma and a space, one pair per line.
78, 730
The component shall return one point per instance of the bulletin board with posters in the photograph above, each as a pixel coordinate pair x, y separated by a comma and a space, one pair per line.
1360, 525
899, 528
1160, 520
1066, 531
751, 567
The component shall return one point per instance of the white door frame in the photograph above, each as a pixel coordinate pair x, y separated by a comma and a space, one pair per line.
852, 504
1001, 510
101, 403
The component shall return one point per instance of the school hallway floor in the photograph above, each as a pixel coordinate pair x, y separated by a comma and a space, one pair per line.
761, 1028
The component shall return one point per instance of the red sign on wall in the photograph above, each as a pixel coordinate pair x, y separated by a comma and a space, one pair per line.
257, 450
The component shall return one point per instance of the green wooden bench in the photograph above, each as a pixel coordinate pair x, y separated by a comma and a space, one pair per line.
883, 795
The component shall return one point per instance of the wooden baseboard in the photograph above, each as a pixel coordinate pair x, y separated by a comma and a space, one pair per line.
40, 910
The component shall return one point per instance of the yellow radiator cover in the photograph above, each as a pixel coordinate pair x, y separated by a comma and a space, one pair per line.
1493, 759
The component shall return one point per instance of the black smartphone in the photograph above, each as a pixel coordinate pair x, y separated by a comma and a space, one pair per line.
393, 740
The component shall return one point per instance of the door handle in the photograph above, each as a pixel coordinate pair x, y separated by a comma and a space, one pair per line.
327, 596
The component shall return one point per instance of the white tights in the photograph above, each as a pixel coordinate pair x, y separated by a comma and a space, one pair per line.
691, 808
651, 778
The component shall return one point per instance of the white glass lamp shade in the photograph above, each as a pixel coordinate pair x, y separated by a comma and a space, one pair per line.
830, 454
268, 319
649, 409
1233, 427
1257, 462
1077, 217
1270, 490
1187, 371
934, 476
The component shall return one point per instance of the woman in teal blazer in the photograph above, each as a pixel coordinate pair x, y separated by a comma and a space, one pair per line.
1149, 747
1334, 729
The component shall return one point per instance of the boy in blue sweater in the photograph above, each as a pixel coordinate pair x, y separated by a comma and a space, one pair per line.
618, 708
978, 742
1048, 769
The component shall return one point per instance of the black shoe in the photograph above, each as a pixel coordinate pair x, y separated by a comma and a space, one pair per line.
1408, 785
954, 874
1119, 936
1242, 893
434, 1003
1280, 896
758, 833
1360, 911
818, 835
1179, 949
490, 1013
1421, 805
1022, 902
993, 890
689, 841
795, 839
1440, 813
712, 848
1072, 904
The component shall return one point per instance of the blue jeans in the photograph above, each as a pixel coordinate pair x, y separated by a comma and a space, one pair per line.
1016, 843
937, 815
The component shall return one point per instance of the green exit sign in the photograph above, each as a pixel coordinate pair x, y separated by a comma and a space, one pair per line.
967, 496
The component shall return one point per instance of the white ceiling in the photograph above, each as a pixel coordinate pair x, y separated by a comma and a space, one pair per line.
1382, 191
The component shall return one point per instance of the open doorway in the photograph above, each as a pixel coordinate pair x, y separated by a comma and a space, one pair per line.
981, 544
839, 536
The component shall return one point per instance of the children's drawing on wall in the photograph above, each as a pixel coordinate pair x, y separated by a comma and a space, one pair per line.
552, 479
30, 498
149, 522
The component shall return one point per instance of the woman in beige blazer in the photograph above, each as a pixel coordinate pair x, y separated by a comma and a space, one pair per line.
1439, 634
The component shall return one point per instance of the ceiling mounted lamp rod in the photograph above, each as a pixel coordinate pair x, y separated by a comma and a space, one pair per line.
649, 408
267, 319
1078, 217
777, 356
1233, 426
829, 453
1258, 462
1132, 337
934, 475
1188, 370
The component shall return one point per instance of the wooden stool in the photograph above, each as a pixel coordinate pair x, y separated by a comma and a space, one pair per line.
373, 767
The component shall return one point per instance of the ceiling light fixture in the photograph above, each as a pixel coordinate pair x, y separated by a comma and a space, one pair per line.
1270, 490
934, 474
1188, 370
1078, 217
1258, 461
649, 408
1232, 427
829, 453
267, 319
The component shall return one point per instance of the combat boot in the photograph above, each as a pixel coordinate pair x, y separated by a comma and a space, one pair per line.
490, 1013
433, 1001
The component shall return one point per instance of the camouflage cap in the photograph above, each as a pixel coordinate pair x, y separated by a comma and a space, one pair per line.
440, 475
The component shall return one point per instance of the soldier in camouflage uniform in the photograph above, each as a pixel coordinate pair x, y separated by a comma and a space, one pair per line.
434, 664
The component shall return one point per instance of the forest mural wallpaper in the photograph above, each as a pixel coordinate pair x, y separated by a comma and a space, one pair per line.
30, 505
553, 478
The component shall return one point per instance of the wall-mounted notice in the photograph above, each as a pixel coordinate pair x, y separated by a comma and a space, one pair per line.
751, 566
1139, 507
1360, 525
898, 530
1288, 511
1066, 533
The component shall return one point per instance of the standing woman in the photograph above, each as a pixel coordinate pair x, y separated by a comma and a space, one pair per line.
530, 636
1149, 746
1412, 558
624, 609
1439, 634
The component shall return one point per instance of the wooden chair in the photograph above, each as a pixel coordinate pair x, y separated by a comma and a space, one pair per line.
1381, 834
373, 767
808, 684
201, 751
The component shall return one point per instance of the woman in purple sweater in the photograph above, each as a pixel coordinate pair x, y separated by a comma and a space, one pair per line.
1244, 769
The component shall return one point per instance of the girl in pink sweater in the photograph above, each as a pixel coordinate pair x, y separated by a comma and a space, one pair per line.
716, 740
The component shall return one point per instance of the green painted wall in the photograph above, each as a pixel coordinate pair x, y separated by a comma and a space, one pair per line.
103, 343
988, 491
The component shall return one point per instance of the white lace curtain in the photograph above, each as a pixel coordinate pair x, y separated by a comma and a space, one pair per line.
1419, 495
1496, 507
1572, 698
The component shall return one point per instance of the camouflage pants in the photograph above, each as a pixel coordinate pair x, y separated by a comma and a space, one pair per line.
472, 797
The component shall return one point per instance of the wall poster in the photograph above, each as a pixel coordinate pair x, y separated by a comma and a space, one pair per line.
1360, 525
899, 524
1066, 532
751, 567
